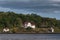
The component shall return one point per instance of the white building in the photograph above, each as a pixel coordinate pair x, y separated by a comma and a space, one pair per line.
29, 24
6, 30
52, 29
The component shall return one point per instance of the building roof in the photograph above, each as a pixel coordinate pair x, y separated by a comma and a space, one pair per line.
29, 22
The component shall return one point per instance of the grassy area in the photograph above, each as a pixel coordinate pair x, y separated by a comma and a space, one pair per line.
57, 30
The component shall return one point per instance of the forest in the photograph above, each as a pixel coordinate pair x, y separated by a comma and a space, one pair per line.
15, 21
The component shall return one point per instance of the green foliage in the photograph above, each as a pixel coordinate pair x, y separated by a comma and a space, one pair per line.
29, 29
11, 20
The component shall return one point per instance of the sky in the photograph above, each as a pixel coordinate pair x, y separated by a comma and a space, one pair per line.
44, 8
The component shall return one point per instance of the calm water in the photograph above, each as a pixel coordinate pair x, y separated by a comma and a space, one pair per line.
29, 36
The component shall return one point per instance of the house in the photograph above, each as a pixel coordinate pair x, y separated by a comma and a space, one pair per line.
52, 29
29, 24
6, 30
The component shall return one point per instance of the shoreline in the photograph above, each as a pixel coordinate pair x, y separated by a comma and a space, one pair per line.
29, 33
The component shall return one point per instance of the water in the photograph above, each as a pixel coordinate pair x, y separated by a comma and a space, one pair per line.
29, 36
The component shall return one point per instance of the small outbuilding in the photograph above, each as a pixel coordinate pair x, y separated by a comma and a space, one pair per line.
52, 29
6, 29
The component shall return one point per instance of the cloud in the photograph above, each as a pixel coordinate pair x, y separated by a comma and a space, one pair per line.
55, 0
46, 8
16, 0
33, 0
30, 1
24, 11
43, 12
43, 5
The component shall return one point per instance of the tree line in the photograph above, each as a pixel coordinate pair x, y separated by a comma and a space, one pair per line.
11, 19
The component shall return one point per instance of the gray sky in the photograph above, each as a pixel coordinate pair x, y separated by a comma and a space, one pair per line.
46, 8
